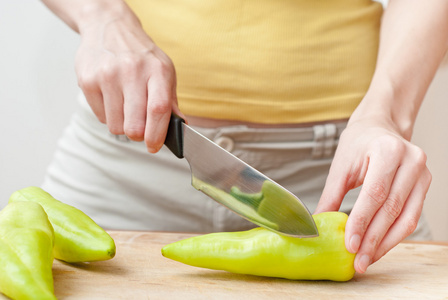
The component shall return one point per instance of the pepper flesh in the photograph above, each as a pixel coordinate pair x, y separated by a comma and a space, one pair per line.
77, 237
26, 252
265, 253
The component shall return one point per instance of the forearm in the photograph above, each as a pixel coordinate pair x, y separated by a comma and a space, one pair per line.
81, 14
414, 39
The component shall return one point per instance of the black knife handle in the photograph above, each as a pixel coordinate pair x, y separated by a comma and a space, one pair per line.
174, 136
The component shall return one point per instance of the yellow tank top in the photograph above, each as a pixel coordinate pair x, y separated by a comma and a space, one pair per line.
267, 61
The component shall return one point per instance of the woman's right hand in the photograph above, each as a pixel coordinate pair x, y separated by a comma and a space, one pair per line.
127, 80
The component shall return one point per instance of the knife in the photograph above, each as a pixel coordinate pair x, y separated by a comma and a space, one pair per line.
238, 186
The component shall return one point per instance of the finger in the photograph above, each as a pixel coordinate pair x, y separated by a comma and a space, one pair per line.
175, 106
381, 171
407, 222
336, 186
113, 108
135, 103
158, 114
94, 97
403, 183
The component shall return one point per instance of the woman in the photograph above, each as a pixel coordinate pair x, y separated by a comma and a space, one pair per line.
277, 83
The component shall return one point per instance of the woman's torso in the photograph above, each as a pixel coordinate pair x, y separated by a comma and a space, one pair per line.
264, 61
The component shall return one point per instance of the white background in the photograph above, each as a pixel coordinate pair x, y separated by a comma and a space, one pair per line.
38, 92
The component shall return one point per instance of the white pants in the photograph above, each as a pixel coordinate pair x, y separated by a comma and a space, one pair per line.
121, 186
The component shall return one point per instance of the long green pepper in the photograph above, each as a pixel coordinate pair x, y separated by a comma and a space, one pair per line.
26, 252
77, 237
265, 253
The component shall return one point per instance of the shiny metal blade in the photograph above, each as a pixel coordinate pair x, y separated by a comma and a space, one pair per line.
243, 189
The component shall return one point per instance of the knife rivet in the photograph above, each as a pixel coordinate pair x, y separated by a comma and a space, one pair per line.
225, 143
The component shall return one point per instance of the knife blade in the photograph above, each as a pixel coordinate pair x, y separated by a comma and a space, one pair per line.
238, 186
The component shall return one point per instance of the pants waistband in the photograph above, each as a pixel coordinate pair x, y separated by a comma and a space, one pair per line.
322, 139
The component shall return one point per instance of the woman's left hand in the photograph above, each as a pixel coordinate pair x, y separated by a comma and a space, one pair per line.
375, 149
394, 179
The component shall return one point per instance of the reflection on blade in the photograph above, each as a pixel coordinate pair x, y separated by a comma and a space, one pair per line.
260, 208
232, 203
279, 204
246, 191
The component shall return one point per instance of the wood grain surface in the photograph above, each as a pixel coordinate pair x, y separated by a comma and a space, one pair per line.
139, 271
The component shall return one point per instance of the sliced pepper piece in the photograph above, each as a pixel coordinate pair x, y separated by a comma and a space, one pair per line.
229, 201
265, 253
77, 237
252, 199
26, 252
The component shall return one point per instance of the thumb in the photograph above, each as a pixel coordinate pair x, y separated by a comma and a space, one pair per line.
334, 190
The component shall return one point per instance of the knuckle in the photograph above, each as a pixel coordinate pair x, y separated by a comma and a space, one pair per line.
396, 148
420, 157
410, 225
389, 148
135, 133
164, 66
360, 222
377, 193
159, 107
115, 129
393, 206
394, 145
373, 240
86, 82
108, 72
131, 65
153, 146
397, 145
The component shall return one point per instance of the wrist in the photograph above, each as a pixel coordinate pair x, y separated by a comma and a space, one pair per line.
99, 13
388, 105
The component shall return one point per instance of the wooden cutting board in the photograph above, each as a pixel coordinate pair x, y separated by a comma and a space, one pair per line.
139, 271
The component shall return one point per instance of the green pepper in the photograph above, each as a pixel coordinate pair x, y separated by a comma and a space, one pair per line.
26, 252
265, 253
77, 237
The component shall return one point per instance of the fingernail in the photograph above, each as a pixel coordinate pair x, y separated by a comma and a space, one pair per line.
355, 241
364, 263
